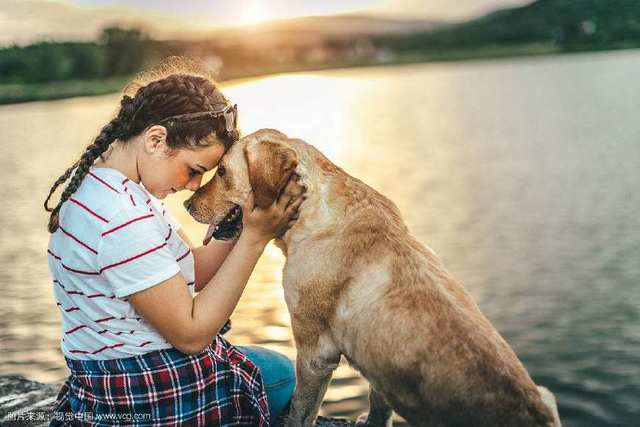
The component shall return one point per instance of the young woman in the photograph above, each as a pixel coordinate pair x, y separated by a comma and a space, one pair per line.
141, 348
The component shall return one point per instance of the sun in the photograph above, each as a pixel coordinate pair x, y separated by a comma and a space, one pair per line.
253, 12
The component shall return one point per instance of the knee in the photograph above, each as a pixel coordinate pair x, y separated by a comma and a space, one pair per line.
278, 376
276, 368
284, 370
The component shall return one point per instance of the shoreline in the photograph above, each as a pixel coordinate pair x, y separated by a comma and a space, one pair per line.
19, 93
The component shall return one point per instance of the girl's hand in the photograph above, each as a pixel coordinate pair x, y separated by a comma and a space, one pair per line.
262, 225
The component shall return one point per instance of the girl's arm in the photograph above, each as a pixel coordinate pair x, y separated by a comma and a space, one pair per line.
190, 324
208, 258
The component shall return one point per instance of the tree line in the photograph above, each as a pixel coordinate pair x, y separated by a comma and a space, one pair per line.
116, 52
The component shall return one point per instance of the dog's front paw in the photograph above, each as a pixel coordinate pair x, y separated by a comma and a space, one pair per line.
364, 421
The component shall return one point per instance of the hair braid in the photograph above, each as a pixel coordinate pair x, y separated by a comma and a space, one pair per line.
59, 181
176, 94
109, 133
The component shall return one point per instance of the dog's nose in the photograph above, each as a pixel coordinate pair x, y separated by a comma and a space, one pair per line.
188, 204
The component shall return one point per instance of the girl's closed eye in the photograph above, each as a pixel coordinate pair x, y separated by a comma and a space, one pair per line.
194, 172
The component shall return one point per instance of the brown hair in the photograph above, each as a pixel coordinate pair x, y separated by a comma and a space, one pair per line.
177, 87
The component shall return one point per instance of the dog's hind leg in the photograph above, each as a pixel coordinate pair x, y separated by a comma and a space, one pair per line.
379, 412
313, 373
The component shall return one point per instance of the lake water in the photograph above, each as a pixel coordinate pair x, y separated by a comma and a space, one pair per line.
522, 174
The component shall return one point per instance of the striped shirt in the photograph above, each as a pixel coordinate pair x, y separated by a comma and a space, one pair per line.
114, 239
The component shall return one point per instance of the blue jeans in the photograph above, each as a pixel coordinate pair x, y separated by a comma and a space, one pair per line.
278, 375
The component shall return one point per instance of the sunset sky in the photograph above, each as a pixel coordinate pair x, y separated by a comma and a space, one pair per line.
26, 20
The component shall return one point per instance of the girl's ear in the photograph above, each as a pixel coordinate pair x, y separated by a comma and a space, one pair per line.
155, 139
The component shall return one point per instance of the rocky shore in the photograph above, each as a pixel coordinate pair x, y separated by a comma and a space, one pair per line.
29, 403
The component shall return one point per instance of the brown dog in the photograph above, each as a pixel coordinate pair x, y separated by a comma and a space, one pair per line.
358, 284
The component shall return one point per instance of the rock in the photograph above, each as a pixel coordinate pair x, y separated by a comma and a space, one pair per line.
326, 422
29, 403
24, 402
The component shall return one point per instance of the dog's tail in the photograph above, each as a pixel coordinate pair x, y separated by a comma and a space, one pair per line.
549, 399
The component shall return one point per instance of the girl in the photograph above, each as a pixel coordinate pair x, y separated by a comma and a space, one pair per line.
142, 350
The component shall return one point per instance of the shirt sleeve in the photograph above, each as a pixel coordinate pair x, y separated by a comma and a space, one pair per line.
133, 254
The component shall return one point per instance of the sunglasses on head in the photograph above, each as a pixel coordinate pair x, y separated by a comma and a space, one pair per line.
227, 119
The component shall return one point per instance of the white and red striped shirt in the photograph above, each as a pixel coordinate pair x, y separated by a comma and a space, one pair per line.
114, 239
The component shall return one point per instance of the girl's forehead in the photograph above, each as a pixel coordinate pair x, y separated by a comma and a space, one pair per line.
209, 156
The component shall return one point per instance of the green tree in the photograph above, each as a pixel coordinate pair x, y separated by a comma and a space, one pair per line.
125, 50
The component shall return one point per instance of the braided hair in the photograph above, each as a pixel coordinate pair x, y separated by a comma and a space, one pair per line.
173, 95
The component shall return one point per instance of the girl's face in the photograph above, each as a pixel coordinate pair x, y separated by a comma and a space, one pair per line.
164, 171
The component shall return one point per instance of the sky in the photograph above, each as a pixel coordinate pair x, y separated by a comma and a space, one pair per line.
23, 21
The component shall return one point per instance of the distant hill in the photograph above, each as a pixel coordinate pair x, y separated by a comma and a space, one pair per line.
353, 25
566, 23
314, 29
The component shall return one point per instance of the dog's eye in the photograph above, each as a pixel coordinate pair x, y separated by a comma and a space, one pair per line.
221, 171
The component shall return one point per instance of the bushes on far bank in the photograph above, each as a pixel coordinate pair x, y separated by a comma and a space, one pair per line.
117, 52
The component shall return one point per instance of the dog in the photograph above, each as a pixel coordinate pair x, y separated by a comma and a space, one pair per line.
358, 285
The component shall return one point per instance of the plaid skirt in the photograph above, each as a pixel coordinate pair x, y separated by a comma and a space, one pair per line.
218, 387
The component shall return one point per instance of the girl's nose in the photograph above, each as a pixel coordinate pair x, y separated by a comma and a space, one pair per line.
194, 183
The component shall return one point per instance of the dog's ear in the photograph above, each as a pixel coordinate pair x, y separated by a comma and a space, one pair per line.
271, 165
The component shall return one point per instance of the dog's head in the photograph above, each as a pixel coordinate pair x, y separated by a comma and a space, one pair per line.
260, 163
